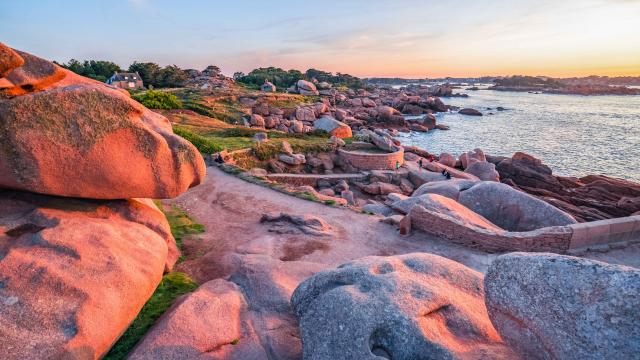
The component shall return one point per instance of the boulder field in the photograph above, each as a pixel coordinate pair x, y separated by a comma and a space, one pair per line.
81, 247
590, 198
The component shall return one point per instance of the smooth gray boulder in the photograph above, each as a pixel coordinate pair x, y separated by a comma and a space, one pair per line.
448, 188
377, 209
512, 209
413, 306
485, 171
445, 206
551, 306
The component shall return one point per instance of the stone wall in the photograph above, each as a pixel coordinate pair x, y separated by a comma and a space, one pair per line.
605, 234
551, 239
312, 179
372, 161
597, 235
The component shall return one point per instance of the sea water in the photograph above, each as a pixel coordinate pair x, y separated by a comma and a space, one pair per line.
575, 135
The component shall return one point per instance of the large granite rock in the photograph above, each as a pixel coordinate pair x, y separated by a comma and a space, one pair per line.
560, 307
448, 188
413, 306
74, 137
74, 273
593, 197
9, 60
484, 170
333, 127
445, 206
511, 209
207, 323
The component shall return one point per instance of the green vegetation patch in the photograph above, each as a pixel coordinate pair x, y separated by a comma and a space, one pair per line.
158, 100
171, 286
181, 224
204, 144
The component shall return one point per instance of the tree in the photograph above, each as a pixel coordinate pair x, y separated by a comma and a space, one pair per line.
148, 71
95, 69
171, 76
238, 75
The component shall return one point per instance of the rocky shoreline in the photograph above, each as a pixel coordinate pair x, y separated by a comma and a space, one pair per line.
83, 247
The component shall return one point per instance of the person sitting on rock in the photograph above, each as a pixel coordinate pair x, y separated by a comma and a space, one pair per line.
444, 172
448, 175
219, 159
420, 162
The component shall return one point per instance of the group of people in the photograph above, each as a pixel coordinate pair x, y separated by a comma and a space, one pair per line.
431, 158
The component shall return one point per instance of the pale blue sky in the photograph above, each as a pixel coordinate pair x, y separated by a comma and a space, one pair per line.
365, 38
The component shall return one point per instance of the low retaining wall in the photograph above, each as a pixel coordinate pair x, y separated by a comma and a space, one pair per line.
597, 235
312, 179
605, 234
372, 161
550, 239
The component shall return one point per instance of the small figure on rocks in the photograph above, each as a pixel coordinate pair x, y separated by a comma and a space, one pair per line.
397, 165
448, 175
420, 163
219, 159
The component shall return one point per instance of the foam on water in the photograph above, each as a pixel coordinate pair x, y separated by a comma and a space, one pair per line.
574, 135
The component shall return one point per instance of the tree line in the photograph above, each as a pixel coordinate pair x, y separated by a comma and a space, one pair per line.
156, 76
152, 74
285, 78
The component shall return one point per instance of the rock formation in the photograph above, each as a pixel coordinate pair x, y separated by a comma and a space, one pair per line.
559, 307
511, 209
77, 267
590, 198
70, 136
411, 306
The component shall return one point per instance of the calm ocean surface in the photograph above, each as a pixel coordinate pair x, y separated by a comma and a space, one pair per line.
574, 135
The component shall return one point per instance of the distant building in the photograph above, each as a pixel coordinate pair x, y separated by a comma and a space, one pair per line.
268, 87
126, 80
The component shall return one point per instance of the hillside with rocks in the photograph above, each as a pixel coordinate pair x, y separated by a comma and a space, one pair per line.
321, 236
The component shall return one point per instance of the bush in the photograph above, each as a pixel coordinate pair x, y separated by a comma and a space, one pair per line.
158, 100
204, 145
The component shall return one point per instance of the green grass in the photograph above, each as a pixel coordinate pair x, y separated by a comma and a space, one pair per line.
181, 224
171, 286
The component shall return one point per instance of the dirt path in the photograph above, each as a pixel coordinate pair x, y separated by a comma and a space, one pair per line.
231, 208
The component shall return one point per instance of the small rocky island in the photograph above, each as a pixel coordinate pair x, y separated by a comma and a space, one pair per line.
321, 235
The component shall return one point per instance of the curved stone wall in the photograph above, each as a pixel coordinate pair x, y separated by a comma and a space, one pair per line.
596, 235
371, 161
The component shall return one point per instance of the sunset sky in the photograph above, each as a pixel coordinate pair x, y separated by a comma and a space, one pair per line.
404, 38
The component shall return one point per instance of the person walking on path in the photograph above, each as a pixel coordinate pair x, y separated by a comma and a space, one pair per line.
397, 165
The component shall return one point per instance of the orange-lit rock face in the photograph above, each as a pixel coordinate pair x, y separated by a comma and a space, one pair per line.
411, 306
72, 136
9, 60
74, 273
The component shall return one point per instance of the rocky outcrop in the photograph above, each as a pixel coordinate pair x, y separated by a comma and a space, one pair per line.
75, 273
80, 138
471, 156
210, 322
448, 188
447, 159
333, 127
485, 171
560, 307
305, 87
469, 111
594, 197
397, 307
511, 209
448, 207
283, 223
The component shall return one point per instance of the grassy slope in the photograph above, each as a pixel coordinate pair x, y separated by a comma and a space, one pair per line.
172, 285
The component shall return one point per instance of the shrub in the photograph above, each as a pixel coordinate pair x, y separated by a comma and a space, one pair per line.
204, 145
158, 100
